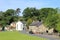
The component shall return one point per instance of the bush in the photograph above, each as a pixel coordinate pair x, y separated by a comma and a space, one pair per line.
29, 21
58, 27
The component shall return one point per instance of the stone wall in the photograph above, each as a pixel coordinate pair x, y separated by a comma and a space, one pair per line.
38, 30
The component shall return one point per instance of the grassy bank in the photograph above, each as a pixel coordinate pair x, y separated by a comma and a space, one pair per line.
17, 36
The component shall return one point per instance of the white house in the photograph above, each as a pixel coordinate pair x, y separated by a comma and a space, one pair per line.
19, 26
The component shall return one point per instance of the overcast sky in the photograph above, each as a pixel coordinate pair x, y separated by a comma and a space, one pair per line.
22, 4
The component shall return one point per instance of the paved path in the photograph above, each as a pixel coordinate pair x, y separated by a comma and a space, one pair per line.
49, 37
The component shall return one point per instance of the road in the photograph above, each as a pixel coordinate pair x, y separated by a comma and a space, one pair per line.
49, 37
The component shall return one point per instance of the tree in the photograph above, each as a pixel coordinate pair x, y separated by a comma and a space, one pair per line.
17, 11
44, 12
51, 21
30, 13
1, 13
8, 17
9, 12
2, 19
29, 21
58, 23
58, 27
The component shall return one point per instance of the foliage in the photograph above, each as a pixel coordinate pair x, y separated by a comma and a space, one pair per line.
29, 21
30, 12
58, 24
49, 16
17, 11
45, 12
51, 21
58, 27
9, 12
8, 16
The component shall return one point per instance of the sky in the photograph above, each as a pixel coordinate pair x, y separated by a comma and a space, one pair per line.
22, 4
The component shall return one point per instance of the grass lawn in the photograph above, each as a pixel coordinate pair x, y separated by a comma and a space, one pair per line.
17, 36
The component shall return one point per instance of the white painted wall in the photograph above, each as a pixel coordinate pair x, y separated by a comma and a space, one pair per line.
19, 26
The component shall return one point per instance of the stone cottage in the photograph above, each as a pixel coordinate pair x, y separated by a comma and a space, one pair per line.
37, 27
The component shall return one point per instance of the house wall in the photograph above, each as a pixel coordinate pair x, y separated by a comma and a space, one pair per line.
34, 29
31, 28
39, 29
13, 24
42, 28
50, 31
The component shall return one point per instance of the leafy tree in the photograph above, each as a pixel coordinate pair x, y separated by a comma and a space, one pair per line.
1, 13
51, 21
17, 11
8, 16
29, 21
44, 12
30, 13
2, 19
58, 23
58, 27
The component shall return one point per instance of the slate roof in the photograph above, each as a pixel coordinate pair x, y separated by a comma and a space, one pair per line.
23, 22
36, 23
